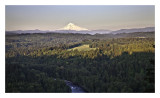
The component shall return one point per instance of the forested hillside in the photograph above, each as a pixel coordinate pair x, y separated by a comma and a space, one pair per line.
97, 63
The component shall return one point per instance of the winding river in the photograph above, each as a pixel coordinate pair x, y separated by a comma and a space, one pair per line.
74, 88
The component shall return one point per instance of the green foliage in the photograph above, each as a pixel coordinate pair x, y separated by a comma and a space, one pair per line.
108, 65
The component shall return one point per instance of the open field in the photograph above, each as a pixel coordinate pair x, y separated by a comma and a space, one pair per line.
83, 48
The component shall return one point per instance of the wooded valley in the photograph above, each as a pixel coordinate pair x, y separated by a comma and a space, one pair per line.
98, 63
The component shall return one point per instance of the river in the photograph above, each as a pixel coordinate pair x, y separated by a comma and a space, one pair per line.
74, 88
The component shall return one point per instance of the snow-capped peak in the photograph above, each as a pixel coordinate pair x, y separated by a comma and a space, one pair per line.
72, 26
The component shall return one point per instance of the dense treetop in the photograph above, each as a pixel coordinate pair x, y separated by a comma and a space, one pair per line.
97, 63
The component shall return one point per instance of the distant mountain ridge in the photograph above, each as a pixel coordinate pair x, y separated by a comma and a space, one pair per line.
146, 29
28, 31
71, 28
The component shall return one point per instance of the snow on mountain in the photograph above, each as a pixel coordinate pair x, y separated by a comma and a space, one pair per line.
72, 26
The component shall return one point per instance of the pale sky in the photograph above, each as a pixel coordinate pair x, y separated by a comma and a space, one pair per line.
51, 17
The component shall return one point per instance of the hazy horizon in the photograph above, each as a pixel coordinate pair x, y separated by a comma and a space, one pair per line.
92, 17
90, 30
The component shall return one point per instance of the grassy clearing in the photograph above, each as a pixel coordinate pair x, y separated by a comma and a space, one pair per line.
82, 48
